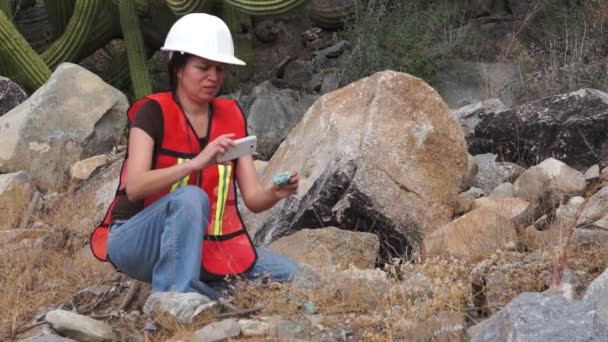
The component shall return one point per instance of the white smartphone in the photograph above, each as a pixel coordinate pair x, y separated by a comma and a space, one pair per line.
243, 146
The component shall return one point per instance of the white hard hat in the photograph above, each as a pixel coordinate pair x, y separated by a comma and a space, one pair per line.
202, 35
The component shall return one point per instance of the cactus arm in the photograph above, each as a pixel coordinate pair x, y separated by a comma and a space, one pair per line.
107, 27
118, 74
264, 7
136, 50
330, 15
242, 41
183, 7
68, 46
59, 12
5, 6
141, 5
19, 56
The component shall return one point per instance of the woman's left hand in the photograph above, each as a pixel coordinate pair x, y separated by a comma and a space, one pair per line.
283, 191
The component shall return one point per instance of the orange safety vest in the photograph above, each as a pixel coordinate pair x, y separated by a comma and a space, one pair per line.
227, 247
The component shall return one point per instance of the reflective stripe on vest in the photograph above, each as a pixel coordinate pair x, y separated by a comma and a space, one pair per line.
223, 187
184, 180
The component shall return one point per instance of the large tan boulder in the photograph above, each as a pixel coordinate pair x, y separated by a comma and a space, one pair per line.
330, 247
73, 116
550, 174
381, 154
475, 234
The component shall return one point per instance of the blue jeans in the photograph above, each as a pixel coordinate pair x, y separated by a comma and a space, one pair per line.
162, 245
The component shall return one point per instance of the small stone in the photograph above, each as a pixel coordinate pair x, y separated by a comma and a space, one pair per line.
281, 178
49, 338
288, 330
593, 173
79, 327
183, 306
83, 169
309, 308
217, 331
253, 328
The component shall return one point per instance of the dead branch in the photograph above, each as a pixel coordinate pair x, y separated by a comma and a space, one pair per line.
30, 210
133, 287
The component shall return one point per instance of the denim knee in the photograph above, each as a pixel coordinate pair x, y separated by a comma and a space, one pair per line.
193, 197
291, 267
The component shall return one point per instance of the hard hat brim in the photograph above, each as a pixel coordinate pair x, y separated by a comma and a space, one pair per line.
211, 57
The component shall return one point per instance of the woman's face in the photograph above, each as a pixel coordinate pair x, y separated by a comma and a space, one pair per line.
200, 79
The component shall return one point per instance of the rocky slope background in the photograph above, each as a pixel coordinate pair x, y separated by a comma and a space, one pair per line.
452, 155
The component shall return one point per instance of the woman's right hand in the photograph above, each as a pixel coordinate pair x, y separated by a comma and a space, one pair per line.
207, 157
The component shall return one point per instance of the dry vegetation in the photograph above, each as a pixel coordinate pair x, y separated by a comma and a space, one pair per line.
35, 279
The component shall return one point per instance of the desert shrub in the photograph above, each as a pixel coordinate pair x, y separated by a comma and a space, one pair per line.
408, 36
563, 48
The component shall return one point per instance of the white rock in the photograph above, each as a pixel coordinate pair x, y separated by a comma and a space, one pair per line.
183, 306
217, 331
253, 328
83, 169
79, 327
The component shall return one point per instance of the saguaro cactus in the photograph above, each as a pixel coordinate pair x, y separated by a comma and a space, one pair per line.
330, 14
60, 12
242, 40
5, 6
136, 50
16, 55
183, 7
268, 7
67, 48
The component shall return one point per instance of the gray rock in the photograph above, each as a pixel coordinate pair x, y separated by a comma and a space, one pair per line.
272, 114
417, 286
306, 278
330, 82
11, 95
288, 330
597, 296
218, 331
492, 173
366, 163
550, 175
470, 115
297, 74
73, 116
596, 207
593, 173
571, 280
183, 306
462, 83
158, 71
267, 31
93, 196
503, 190
604, 173
79, 327
543, 317
466, 199
253, 328
353, 282
333, 51
48, 338
587, 237
567, 127
472, 170
83, 169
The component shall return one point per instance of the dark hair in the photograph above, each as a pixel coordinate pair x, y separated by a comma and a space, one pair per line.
176, 63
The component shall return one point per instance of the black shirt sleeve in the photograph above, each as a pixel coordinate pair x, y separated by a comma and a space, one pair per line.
149, 118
